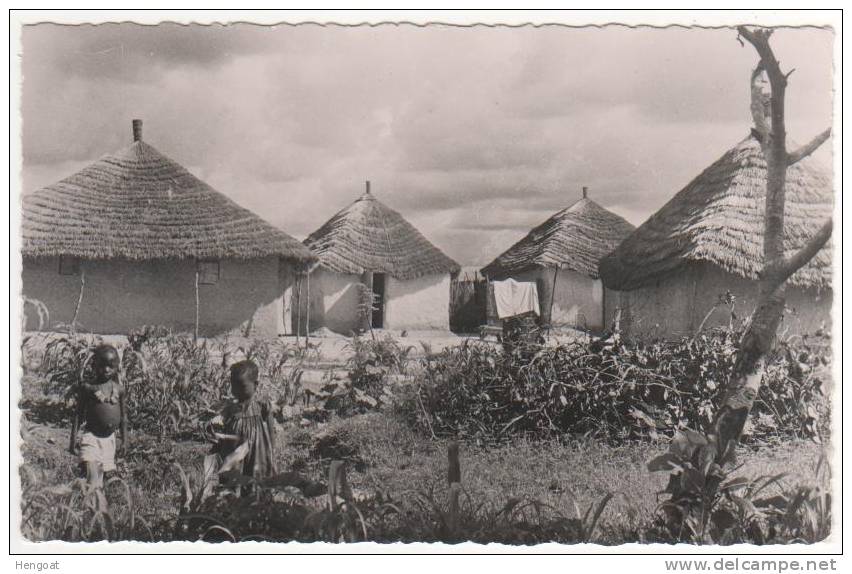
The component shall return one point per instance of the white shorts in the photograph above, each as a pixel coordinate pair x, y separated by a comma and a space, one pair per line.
98, 449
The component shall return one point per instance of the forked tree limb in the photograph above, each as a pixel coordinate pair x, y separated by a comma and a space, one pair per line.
768, 115
759, 38
808, 148
806, 253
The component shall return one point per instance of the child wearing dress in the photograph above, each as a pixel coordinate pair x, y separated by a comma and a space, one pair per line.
100, 412
246, 420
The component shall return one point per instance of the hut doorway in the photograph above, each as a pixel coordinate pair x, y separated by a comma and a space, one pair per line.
379, 288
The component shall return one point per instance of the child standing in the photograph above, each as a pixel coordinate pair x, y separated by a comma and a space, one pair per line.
250, 421
100, 412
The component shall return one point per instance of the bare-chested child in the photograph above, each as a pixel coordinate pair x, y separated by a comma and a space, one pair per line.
100, 412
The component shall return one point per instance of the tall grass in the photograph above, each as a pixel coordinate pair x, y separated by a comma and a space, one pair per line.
174, 382
75, 512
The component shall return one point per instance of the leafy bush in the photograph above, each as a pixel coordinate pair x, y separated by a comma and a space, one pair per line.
176, 385
707, 505
371, 368
613, 390
56, 362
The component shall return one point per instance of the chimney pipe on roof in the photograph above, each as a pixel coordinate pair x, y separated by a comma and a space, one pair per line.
585, 192
368, 186
137, 130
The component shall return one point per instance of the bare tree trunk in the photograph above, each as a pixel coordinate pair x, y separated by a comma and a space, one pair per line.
768, 115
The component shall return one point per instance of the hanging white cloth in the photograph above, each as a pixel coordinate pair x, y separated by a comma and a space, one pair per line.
515, 298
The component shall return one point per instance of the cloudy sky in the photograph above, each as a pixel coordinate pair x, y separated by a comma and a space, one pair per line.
474, 134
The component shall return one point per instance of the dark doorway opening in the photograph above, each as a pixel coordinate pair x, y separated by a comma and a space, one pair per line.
378, 318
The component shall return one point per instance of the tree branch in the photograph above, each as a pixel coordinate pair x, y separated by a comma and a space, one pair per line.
759, 38
803, 255
808, 148
760, 104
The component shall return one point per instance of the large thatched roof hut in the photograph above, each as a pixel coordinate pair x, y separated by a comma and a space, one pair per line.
140, 237
370, 247
708, 240
561, 255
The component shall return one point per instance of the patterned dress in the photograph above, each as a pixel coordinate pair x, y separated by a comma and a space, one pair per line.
248, 421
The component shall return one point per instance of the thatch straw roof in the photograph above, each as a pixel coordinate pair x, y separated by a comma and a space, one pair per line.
139, 204
718, 218
369, 236
574, 239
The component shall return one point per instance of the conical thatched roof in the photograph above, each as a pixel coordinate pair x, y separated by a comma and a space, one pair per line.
575, 239
718, 218
139, 204
370, 236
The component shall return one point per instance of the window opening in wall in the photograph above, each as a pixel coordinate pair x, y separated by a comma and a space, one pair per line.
208, 272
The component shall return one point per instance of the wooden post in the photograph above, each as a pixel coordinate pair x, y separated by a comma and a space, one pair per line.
454, 466
308, 309
298, 306
490, 307
197, 304
337, 483
616, 322
367, 325
79, 298
284, 270
454, 478
552, 296
455, 491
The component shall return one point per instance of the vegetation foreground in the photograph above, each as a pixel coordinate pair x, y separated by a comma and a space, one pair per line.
515, 493
368, 451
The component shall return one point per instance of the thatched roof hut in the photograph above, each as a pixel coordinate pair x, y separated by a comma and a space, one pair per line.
369, 245
368, 236
138, 204
135, 239
718, 219
561, 256
574, 239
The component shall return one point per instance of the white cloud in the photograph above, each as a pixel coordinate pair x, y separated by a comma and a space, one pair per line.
473, 134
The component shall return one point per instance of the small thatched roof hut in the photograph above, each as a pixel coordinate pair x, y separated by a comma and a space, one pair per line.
716, 222
574, 239
370, 236
562, 256
370, 243
138, 229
